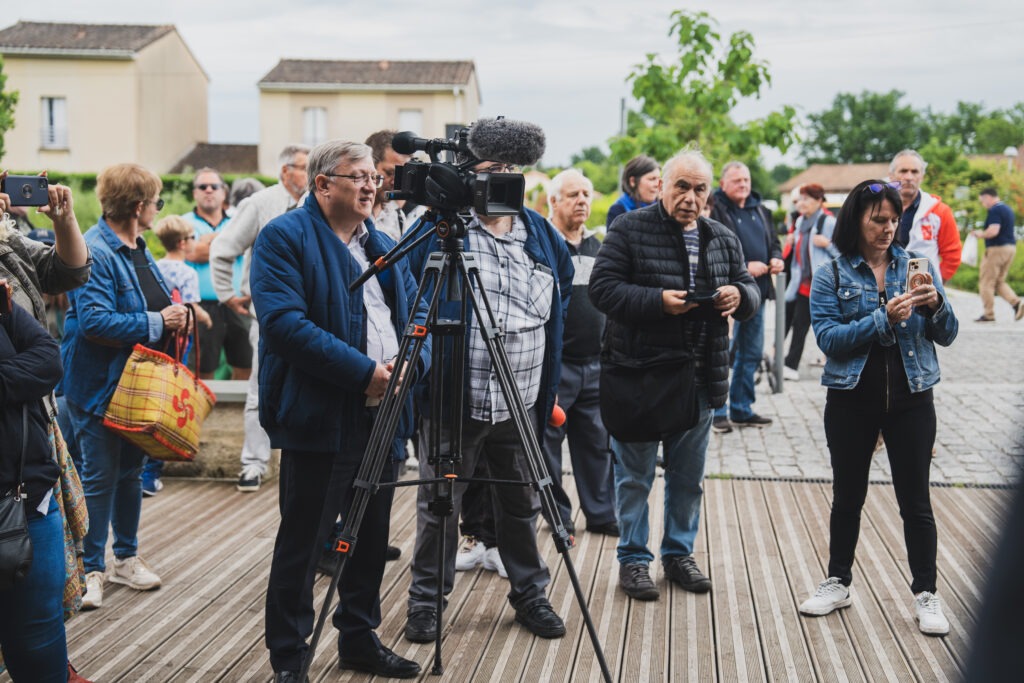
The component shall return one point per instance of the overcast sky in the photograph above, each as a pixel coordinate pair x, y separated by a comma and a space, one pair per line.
563, 64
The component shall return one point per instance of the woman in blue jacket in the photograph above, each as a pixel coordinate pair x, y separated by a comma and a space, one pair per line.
125, 302
879, 340
640, 185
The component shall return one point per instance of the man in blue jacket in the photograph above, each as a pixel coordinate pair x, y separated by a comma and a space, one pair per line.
527, 275
325, 358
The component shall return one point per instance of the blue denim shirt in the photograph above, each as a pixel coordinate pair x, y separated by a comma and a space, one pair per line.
106, 319
847, 319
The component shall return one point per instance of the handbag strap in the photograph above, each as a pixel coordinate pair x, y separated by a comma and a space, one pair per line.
24, 447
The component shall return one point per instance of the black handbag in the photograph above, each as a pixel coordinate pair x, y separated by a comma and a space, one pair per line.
648, 402
15, 544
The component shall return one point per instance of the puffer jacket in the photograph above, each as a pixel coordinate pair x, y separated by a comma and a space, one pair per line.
643, 255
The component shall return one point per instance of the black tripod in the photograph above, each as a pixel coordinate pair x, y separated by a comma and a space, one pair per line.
457, 273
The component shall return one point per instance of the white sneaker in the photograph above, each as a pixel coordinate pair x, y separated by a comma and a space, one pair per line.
929, 616
790, 374
134, 573
93, 597
470, 555
493, 563
830, 595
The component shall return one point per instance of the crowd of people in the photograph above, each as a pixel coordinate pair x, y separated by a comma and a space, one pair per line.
649, 342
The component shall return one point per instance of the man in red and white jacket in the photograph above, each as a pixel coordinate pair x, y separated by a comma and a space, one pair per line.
927, 226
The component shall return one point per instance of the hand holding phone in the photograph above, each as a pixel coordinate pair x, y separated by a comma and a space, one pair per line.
917, 273
702, 297
26, 190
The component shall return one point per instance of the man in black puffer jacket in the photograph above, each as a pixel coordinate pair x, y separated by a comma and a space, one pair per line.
665, 361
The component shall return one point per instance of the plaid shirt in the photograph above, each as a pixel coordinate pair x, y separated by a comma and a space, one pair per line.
519, 292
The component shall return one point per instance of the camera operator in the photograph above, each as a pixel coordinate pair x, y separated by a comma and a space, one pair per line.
323, 367
526, 275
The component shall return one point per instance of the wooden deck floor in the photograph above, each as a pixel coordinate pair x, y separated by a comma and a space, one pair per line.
763, 543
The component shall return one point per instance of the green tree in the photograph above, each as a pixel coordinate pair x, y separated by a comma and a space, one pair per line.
7, 102
867, 127
691, 97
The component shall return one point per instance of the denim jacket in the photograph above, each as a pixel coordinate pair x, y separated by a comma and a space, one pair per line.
107, 318
847, 318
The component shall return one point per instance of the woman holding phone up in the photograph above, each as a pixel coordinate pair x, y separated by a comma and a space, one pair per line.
879, 337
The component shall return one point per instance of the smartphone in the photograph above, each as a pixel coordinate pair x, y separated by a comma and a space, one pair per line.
26, 190
917, 269
702, 297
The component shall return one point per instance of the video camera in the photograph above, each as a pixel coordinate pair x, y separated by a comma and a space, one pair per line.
455, 186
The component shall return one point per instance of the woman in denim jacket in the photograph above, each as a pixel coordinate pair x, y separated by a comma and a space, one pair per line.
125, 302
880, 341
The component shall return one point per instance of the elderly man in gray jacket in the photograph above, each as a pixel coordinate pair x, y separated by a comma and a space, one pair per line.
236, 239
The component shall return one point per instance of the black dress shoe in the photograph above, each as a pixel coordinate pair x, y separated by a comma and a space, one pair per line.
540, 619
288, 677
421, 626
608, 528
392, 553
380, 662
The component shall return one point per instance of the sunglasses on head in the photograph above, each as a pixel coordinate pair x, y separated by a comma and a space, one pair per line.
875, 188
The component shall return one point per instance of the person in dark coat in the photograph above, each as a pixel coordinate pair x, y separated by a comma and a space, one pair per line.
326, 357
653, 262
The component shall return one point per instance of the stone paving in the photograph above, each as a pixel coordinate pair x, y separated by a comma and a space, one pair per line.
979, 403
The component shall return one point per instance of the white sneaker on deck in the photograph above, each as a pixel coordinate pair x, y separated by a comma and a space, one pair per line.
470, 555
93, 597
134, 573
790, 375
493, 563
929, 616
829, 596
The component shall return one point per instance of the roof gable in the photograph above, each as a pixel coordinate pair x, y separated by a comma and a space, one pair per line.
381, 74
836, 177
27, 37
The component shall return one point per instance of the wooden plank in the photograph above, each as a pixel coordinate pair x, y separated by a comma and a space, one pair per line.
737, 644
863, 621
827, 641
782, 643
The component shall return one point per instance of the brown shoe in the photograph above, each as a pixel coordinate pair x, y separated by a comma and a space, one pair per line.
74, 676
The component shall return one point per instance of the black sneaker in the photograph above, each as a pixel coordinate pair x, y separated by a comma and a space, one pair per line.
635, 579
683, 570
754, 420
540, 620
249, 480
421, 625
721, 425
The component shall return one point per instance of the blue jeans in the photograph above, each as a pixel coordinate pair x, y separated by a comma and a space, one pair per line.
111, 479
685, 453
32, 613
67, 430
748, 350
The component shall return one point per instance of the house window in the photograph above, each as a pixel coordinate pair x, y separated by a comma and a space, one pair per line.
411, 119
314, 125
54, 131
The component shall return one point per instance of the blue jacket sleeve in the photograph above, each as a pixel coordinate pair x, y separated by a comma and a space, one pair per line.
279, 296
942, 326
96, 306
834, 336
35, 370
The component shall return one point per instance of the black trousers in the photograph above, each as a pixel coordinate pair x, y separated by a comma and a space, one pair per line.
798, 319
314, 489
852, 431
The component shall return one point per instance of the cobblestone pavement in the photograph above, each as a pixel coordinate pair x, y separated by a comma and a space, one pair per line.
979, 404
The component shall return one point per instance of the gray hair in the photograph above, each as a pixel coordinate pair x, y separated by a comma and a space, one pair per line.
733, 164
908, 153
242, 188
207, 169
691, 155
555, 186
288, 154
326, 156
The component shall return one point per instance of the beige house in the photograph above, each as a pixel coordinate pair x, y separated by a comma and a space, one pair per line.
311, 101
91, 95
837, 179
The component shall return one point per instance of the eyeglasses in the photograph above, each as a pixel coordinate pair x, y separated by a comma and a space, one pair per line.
498, 168
208, 186
159, 204
875, 188
376, 180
